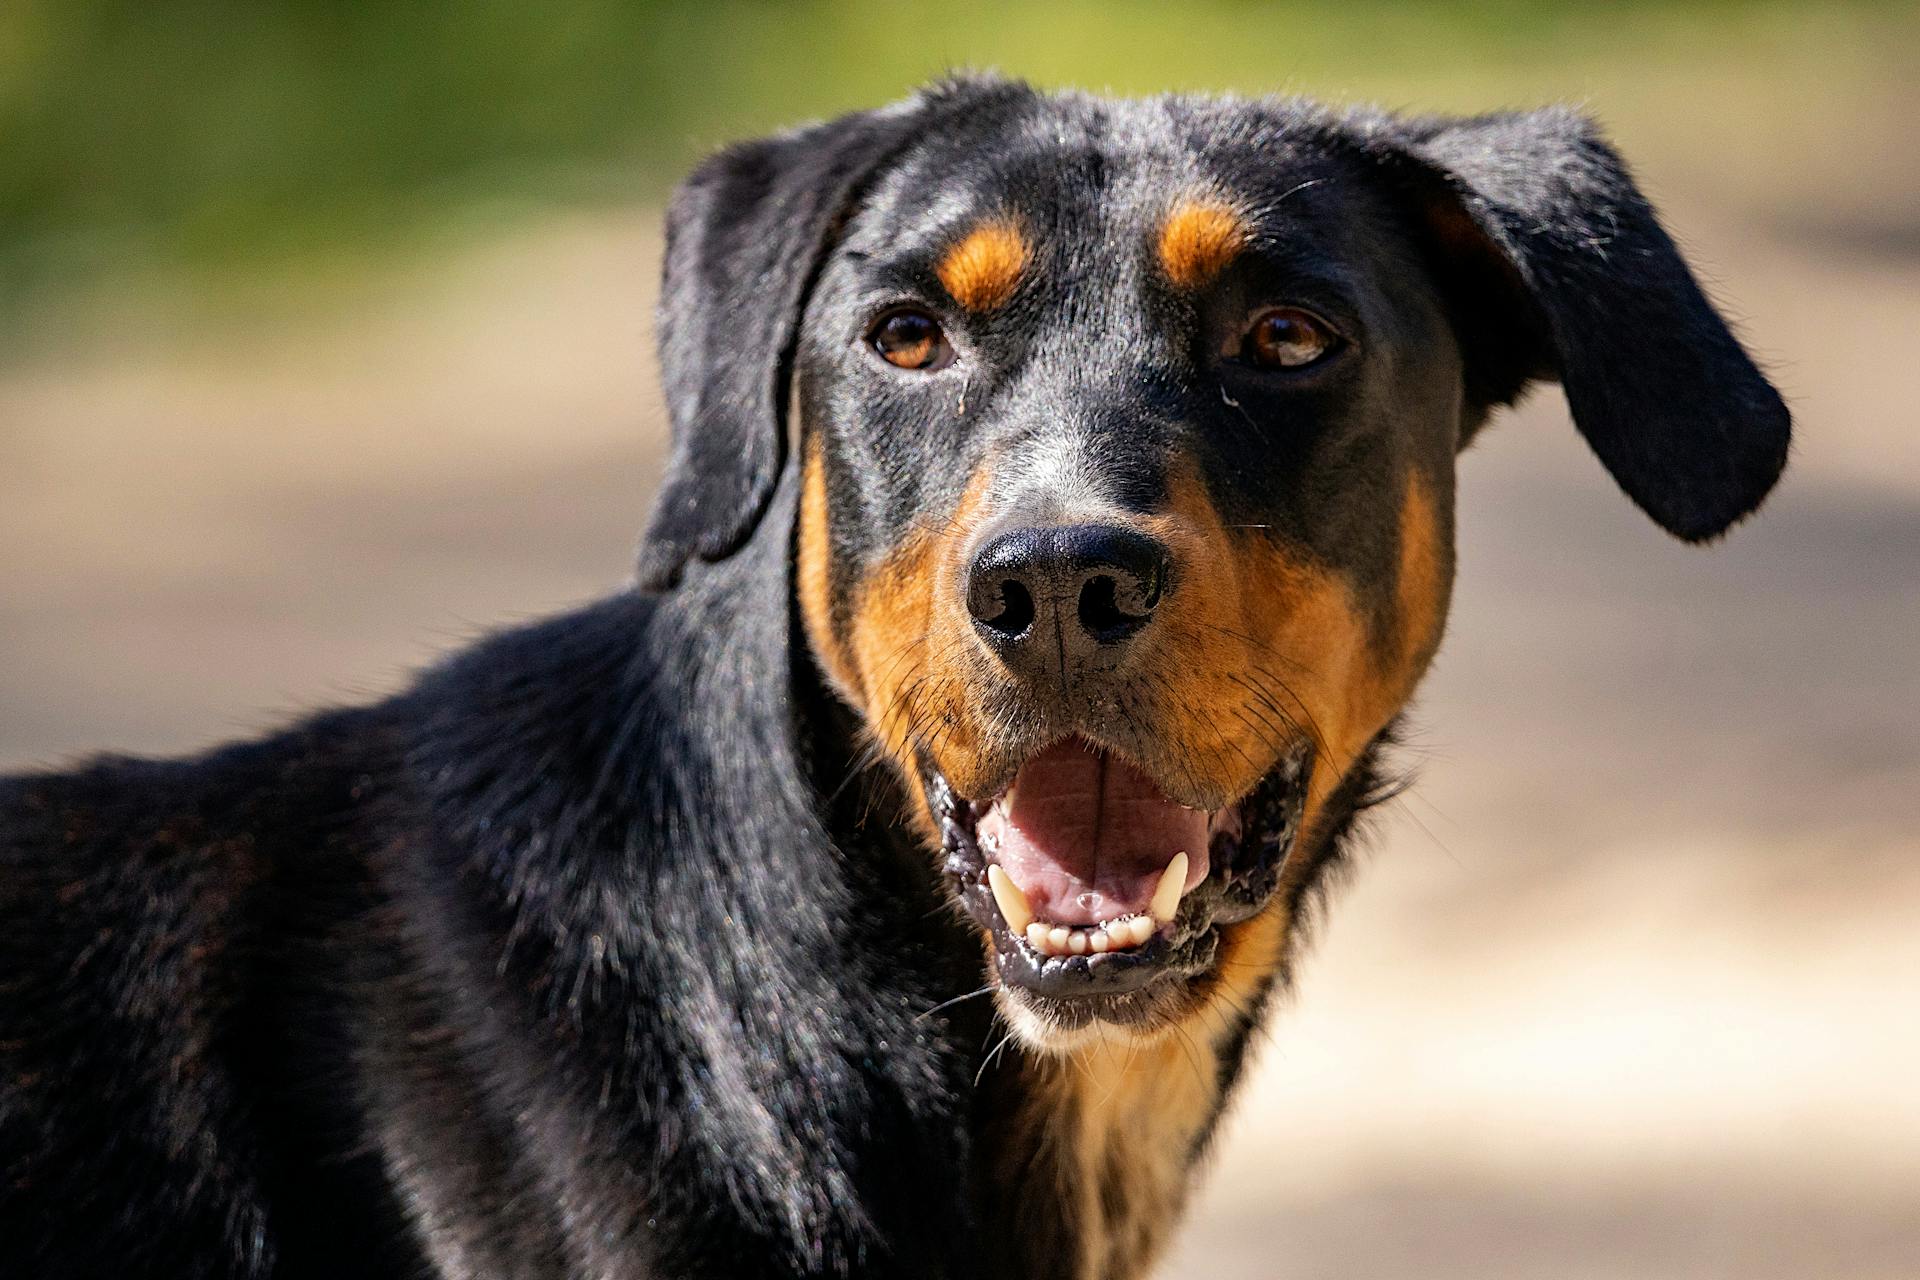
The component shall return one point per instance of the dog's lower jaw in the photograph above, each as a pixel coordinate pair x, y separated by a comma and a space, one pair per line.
1039, 1034
1105, 1124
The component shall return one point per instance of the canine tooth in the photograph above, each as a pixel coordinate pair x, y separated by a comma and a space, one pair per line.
1007, 896
1057, 938
1037, 937
1077, 944
1166, 895
1100, 942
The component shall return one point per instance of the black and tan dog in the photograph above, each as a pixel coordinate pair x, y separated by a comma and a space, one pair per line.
1058, 653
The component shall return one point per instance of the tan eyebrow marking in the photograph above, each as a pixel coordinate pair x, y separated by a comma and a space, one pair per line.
983, 269
1199, 238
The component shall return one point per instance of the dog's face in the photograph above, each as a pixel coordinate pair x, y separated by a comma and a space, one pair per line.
1126, 524
1127, 446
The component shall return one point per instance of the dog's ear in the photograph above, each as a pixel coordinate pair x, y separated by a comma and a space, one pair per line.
1555, 266
746, 236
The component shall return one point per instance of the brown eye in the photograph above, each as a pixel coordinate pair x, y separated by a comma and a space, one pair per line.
910, 340
1286, 338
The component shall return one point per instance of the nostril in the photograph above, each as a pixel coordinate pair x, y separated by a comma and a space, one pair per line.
1007, 608
1106, 615
1088, 586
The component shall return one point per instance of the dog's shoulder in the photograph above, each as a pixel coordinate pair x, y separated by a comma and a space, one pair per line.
168, 928
136, 902
126, 870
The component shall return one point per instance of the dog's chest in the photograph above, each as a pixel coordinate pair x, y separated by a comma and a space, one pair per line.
1094, 1159
1094, 1152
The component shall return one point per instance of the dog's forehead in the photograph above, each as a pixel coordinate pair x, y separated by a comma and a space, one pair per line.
1083, 176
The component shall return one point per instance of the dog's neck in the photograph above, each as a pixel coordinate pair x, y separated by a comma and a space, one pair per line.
735, 1001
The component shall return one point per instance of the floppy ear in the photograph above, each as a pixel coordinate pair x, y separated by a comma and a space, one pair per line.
1557, 267
746, 236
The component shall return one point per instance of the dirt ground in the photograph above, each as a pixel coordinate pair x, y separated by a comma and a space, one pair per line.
1628, 986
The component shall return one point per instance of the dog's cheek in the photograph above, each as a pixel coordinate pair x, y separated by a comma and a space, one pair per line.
912, 648
1313, 643
1423, 582
1269, 646
1202, 662
1383, 650
813, 578
1262, 647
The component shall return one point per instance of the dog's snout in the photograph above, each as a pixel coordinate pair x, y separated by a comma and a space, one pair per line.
1074, 591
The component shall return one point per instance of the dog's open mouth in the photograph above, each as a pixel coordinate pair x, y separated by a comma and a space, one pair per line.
1094, 886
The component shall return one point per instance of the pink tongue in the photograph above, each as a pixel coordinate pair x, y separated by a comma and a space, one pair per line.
1087, 836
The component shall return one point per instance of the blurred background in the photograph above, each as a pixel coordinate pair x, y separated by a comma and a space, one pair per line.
325, 344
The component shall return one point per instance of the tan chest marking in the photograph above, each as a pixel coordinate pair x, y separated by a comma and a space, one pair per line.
1113, 1130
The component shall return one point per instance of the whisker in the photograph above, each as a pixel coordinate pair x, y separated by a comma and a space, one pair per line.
981, 1073
948, 1004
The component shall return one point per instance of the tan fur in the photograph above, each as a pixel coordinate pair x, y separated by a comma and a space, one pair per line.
1386, 660
984, 268
1199, 238
907, 642
1268, 642
1425, 575
813, 573
1117, 1125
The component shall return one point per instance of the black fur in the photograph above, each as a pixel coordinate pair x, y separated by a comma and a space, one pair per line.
1663, 392
595, 952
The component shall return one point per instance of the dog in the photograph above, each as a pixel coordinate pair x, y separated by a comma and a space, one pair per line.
890, 881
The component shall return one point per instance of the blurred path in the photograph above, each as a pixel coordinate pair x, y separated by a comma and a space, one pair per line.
1626, 988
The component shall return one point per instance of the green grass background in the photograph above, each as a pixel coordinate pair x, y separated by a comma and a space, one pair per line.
214, 144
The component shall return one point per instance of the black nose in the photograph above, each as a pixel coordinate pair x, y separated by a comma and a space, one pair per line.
1066, 593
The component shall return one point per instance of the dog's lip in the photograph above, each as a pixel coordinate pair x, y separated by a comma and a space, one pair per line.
995, 779
1246, 856
1095, 981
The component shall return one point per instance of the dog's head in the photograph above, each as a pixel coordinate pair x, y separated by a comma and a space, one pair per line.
1127, 439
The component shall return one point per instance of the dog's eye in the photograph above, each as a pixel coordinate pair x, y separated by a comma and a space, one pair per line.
910, 340
1286, 338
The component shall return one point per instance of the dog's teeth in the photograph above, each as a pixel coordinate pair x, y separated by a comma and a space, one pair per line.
1166, 895
1080, 940
1012, 903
